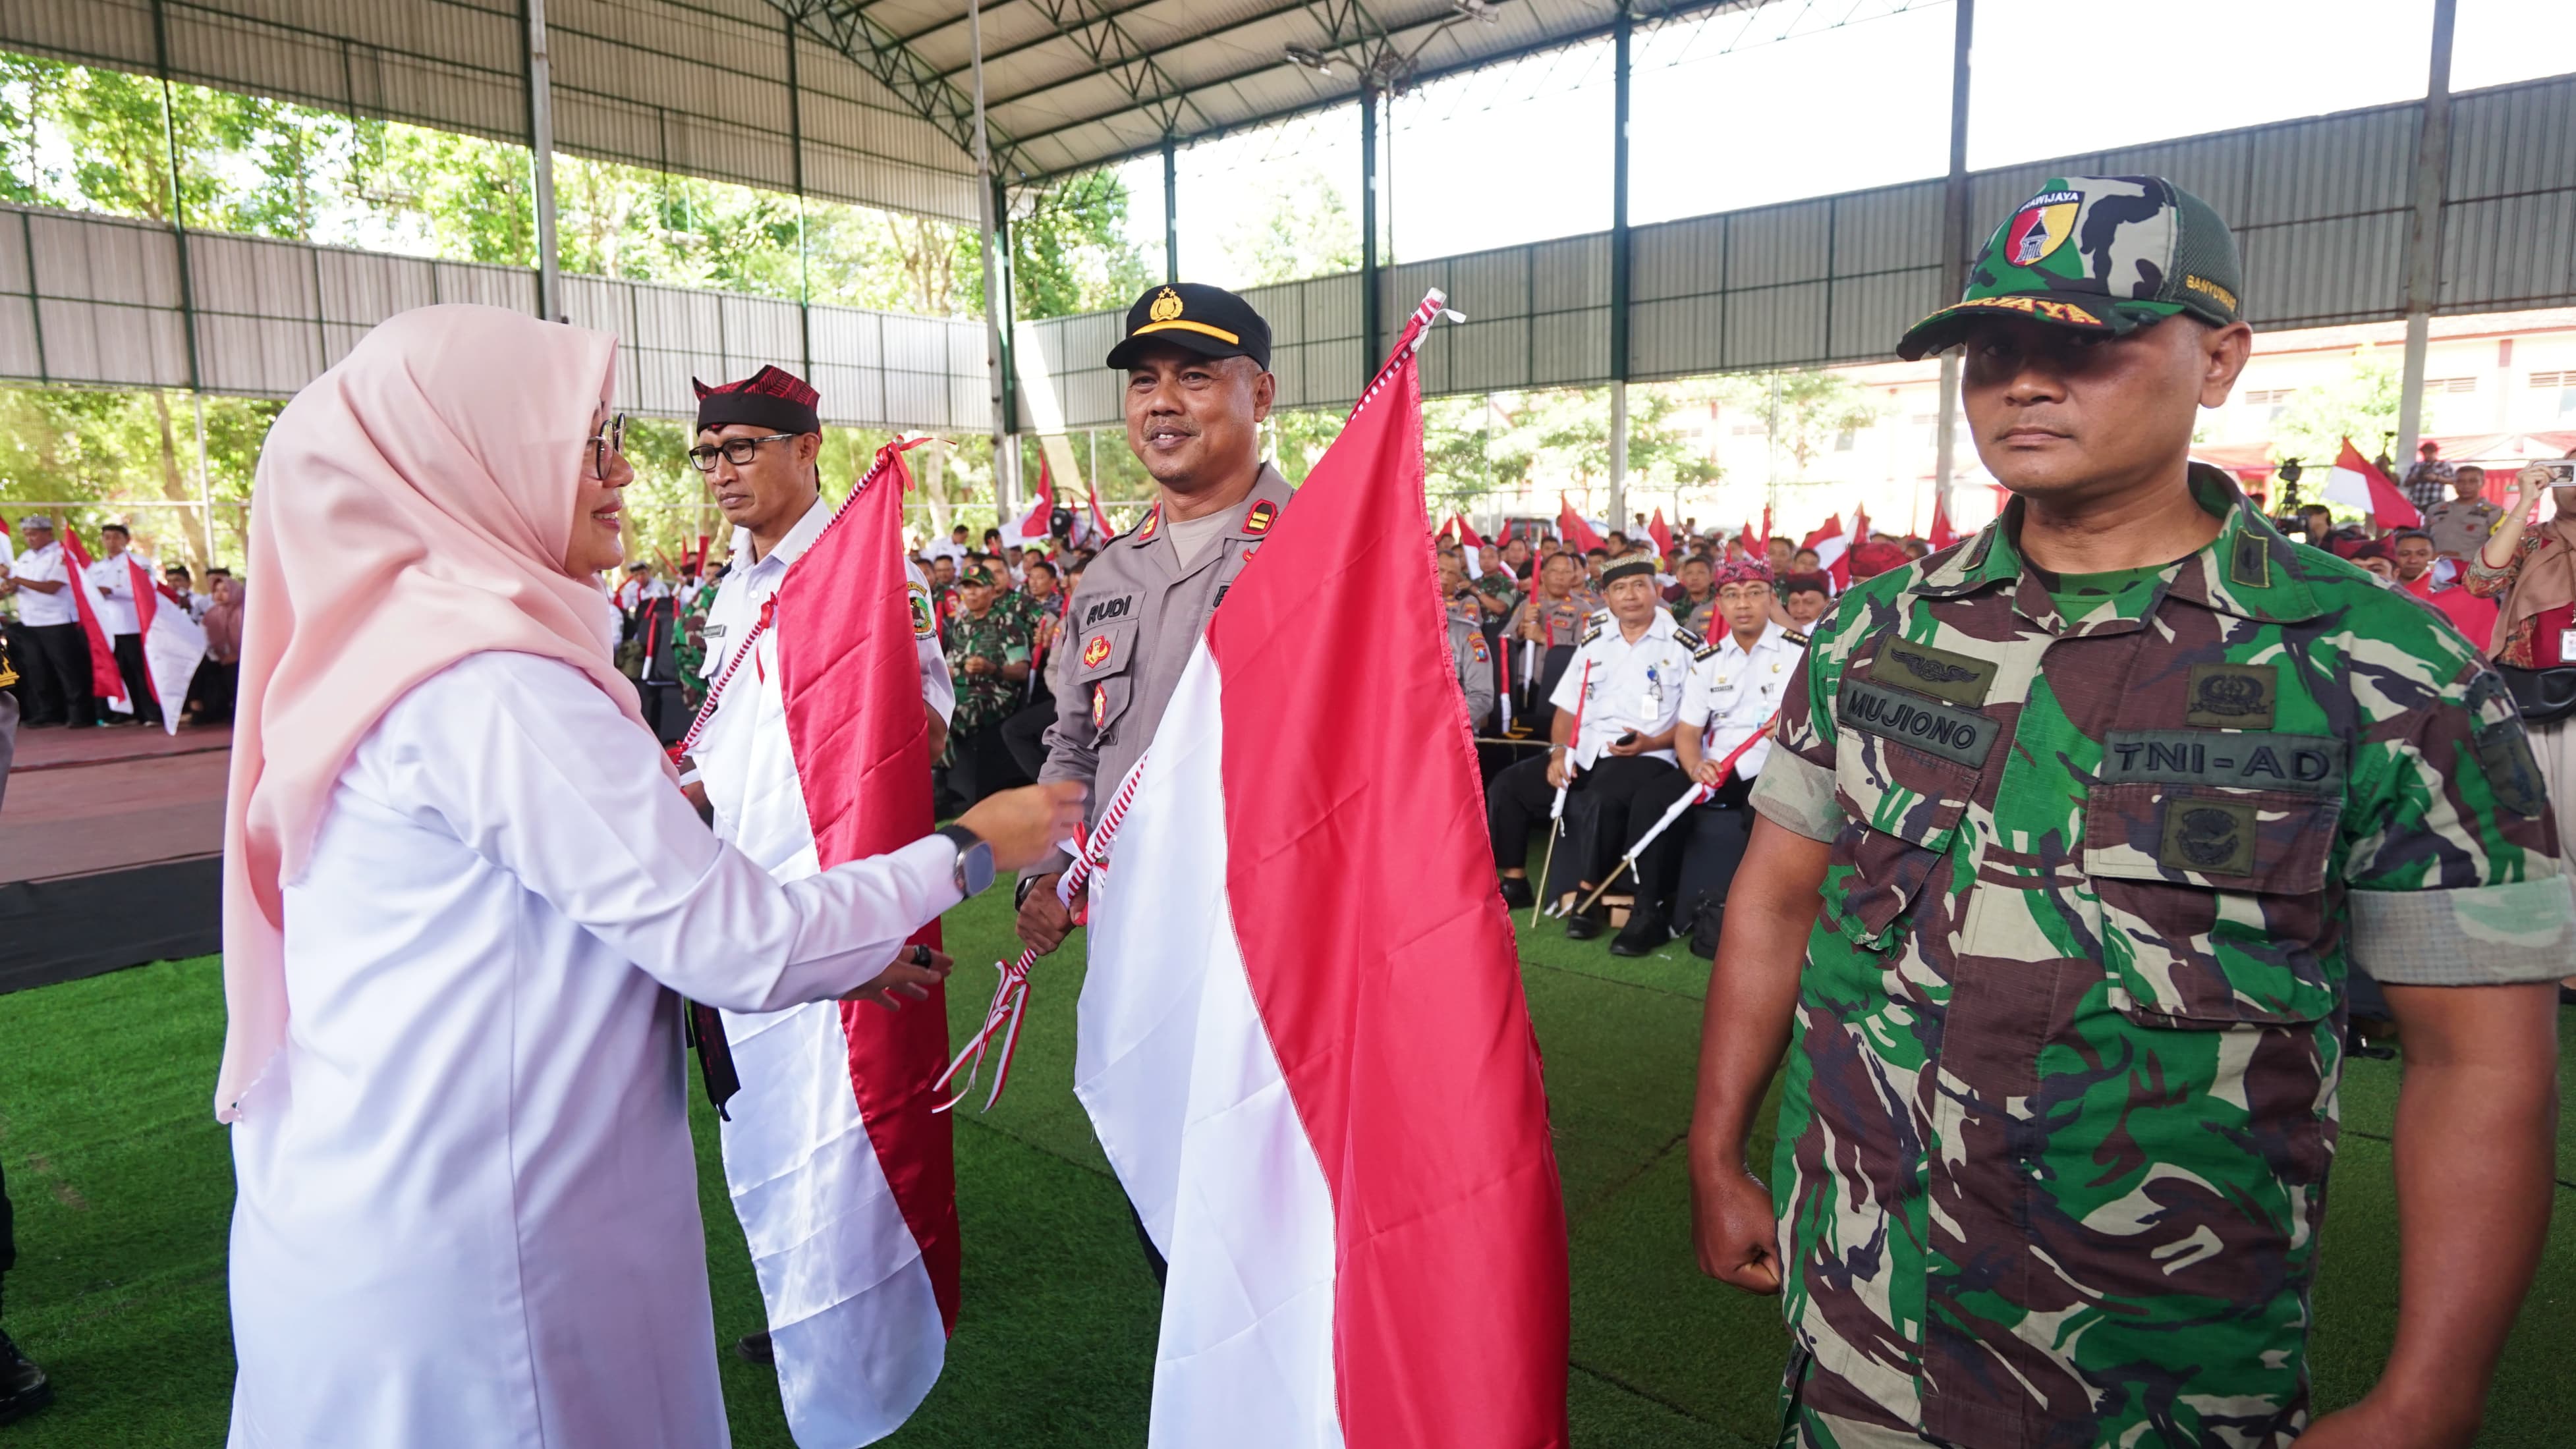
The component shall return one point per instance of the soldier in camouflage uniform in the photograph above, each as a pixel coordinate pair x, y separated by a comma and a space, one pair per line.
988, 656
2073, 834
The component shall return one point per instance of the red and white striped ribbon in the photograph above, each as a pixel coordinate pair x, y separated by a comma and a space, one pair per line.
1011, 993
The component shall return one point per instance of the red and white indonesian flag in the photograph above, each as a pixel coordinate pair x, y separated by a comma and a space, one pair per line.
841, 1173
1302, 1039
106, 681
1032, 527
173, 644
1831, 545
2356, 482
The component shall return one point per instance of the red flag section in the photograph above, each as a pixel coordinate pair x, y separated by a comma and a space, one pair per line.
1467, 535
1661, 532
1943, 535
1578, 535
852, 688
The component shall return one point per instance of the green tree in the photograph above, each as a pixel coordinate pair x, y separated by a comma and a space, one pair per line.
1071, 252
1307, 231
2361, 404
1804, 408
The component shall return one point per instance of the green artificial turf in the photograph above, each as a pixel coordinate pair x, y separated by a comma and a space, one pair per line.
123, 1189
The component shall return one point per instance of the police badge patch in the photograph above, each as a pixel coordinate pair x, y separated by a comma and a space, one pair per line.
1099, 705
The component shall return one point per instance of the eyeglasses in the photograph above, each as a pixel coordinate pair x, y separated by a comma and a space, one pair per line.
610, 439
736, 451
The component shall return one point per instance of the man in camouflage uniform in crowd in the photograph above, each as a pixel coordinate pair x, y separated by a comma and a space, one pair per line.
2058, 882
988, 657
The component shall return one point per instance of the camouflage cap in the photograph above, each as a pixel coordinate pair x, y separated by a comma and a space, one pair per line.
2104, 254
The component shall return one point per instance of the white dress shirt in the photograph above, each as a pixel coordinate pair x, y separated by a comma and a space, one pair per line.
1734, 692
468, 1204
1633, 686
41, 610
749, 584
111, 581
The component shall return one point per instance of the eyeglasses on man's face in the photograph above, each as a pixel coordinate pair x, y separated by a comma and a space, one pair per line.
610, 439
737, 451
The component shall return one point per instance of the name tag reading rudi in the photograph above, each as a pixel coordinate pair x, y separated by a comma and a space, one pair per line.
2308, 764
1955, 734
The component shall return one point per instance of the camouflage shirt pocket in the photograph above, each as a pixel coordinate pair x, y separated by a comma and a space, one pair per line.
2213, 901
1903, 811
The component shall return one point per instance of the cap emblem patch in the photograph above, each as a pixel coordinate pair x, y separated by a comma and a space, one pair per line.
1167, 305
2041, 227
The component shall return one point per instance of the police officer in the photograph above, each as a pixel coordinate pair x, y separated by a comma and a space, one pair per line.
1737, 681
2071, 837
1469, 655
1197, 365
1630, 697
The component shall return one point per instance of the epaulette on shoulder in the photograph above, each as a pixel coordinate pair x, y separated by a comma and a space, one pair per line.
1689, 637
1705, 651
1592, 627
1794, 637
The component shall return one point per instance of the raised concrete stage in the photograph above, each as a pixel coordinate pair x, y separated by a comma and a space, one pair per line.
111, 844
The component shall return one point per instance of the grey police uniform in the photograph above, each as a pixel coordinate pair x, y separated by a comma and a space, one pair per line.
1474, 661
1128, 633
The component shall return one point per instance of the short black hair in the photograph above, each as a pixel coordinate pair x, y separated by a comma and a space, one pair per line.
1036, 564
1601, 553
1562, 557
116, 528
2403, 534
1801, 584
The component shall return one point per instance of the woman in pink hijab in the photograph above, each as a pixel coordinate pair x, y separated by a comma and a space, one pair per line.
461, 891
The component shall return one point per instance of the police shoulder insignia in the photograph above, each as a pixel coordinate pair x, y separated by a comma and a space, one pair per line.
1705, 651
1689, 637
1259, 519
2232, 696
1794, 637
1153, 521
916, 596
1591, 629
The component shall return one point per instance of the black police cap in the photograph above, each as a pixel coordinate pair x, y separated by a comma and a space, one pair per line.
1209, 321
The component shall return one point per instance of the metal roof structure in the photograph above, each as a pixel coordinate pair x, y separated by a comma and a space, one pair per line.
864, 101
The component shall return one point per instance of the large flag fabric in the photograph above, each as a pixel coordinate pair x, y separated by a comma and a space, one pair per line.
105, 680
1302, 1038
1467, 534
1661, 532
8, 544
2356, 481
173, 644
842, 1175
1578, 535
1101, 532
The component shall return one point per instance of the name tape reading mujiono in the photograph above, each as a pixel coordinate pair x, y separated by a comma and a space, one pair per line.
1959, 735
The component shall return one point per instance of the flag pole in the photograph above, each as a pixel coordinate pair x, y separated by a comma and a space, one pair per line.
1556, 812
1693, 796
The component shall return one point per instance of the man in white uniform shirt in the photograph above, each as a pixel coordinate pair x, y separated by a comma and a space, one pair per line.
57, 691
111, 576
1631, 695
1736, 683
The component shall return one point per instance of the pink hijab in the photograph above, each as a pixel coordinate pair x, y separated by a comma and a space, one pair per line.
412, 508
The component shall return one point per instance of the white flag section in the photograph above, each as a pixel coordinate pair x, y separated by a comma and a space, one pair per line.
173, 645
1174, 1066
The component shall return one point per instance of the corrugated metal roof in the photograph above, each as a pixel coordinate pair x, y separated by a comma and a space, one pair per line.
881, 111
